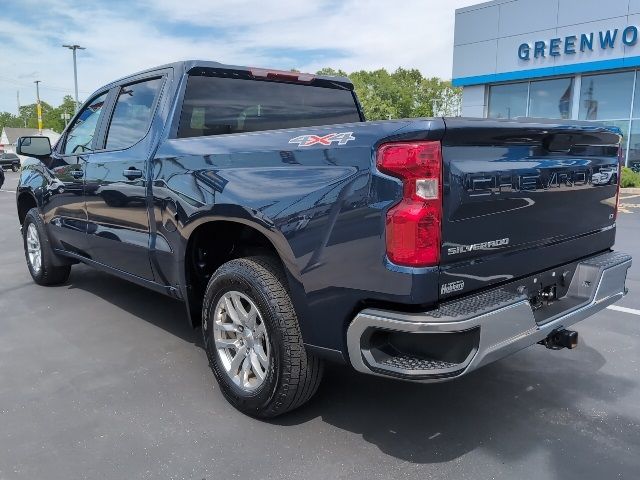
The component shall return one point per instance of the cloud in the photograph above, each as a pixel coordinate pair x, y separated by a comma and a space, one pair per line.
123, 37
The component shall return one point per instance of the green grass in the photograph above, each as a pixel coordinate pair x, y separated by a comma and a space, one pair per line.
629, 178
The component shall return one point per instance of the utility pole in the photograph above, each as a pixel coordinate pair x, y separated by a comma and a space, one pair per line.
38, 106
75, 69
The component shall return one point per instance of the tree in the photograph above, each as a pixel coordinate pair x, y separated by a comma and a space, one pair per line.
67, 106
10, 120
448, 102
401, 94
29, 113
51, 117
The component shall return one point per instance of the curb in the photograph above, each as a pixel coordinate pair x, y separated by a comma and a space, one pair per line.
630, 191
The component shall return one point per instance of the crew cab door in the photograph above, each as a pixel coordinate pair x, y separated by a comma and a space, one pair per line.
63, 200
116, 181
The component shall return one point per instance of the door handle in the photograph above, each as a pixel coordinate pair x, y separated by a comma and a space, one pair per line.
132, 173
77, 173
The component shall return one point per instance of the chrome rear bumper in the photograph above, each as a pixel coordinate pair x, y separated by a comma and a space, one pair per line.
492, 325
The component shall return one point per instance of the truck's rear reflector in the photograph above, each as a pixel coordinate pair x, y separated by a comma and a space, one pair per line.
413, 230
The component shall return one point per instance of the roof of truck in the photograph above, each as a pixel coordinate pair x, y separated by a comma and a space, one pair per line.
188, 65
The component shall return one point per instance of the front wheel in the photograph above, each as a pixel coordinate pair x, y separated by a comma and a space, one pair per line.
253, 341
15, 167
38, 252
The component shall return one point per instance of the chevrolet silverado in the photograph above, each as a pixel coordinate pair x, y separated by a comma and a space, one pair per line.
296, 232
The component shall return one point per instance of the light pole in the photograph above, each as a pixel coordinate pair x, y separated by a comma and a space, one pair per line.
38, 106
75, 69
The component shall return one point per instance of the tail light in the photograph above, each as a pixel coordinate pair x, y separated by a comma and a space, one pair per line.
413, 230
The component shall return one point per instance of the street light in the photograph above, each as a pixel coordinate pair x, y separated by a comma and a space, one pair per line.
75, 69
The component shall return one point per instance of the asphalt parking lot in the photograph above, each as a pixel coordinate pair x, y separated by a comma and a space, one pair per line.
103, 379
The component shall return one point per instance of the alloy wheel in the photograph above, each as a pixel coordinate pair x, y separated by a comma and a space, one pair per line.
241, 340
34, 251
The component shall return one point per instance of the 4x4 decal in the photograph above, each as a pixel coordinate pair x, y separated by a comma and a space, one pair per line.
309, 140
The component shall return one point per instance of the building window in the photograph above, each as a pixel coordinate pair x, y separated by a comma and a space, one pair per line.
543, 98
634, 144
606, 96
508, 101
551, 98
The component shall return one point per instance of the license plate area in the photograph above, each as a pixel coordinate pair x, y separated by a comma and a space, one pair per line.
548, 291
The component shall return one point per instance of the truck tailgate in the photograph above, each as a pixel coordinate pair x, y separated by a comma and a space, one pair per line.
523, 197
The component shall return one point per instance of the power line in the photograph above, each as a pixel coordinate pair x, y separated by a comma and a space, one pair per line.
48, 87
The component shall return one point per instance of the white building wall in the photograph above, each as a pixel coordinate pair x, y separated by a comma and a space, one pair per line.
474, 101
495, 42
487, 36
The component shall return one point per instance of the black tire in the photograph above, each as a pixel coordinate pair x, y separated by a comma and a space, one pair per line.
293, 374
49, 273
15, 167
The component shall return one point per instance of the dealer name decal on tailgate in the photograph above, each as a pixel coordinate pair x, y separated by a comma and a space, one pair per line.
448, 288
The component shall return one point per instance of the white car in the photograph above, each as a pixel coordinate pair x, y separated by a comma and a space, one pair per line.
605, 176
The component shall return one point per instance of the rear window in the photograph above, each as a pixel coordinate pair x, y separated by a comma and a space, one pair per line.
11, 156
217, 105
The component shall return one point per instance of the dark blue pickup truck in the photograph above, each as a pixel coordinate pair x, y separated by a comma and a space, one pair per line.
295, 232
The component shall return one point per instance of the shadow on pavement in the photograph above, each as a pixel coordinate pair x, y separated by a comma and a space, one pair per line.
535, 403
150, 306
511, 410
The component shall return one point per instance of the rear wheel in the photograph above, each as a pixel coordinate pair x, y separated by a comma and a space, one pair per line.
253, 340
38, 254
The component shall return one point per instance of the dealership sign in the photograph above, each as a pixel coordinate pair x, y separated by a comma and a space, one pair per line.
584, 42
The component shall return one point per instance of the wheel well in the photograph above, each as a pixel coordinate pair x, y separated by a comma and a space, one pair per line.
25, 203
213, 244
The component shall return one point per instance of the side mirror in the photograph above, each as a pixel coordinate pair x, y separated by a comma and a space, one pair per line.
34, 146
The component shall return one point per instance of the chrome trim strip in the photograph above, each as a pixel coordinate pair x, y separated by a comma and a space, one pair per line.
506, 326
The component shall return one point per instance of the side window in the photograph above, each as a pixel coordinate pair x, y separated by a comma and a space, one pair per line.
132, 115
80, 136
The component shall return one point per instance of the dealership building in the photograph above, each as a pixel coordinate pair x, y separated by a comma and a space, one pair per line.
564, 59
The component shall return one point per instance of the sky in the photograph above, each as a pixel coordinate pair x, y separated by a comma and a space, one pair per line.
124, 36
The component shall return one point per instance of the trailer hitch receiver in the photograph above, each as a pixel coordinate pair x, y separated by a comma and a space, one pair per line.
561, 338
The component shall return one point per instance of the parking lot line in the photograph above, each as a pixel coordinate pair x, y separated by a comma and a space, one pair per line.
632, 311
7, 191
